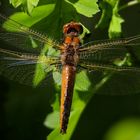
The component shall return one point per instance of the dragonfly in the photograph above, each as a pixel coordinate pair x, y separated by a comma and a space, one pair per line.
18, 62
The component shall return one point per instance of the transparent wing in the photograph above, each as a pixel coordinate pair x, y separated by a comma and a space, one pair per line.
26, 68
116, 81
110, 43
113, 62
113, 80
106, 51
22, 37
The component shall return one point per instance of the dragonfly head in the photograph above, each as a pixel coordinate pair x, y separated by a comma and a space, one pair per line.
73, 28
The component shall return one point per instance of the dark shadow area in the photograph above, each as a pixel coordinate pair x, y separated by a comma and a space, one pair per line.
103, 112
23, 111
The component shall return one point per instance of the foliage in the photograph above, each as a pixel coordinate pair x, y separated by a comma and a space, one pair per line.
50, 17
28, 5
130, 126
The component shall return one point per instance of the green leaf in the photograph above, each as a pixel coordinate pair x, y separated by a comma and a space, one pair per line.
16, 3
37, 15
28, 5
52, 120
106, 14
115, 23
127, 61
85, 7
110, 18
53, 18
31, 4
128, 129
57, 77
44, 67
63, 13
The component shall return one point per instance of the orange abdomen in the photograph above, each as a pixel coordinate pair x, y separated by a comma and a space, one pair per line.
68, 79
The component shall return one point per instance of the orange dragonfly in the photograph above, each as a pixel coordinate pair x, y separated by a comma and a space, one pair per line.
68, 56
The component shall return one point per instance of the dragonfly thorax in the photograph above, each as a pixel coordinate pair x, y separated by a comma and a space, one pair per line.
69, 55
70, 47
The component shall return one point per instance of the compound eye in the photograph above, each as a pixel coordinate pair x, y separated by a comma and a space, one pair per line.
73, 27
72, 30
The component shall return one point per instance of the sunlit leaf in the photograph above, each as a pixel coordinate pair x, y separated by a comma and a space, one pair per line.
52, 120
22, 18
28, 5
85, 7
110, 17
115, 24
128, 129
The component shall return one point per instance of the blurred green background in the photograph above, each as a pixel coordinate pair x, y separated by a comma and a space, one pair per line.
23, 109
